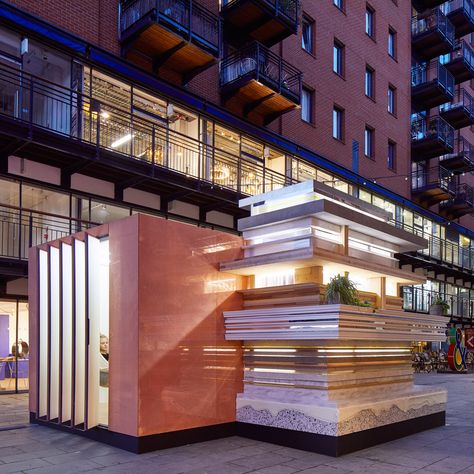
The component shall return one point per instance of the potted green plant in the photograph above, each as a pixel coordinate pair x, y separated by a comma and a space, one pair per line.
341, 290
439, 306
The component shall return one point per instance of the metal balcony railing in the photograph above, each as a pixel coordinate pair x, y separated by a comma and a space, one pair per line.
453, 5
21, 229
461, 50
461, 147
420, 300
435, 20
186, 17
423, 128
462, 99
464, 194
286, 8
39, 103
434, 176
260, 63
421, 74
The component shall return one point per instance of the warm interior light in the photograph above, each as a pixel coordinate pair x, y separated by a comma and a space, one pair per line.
122, 140
105, 115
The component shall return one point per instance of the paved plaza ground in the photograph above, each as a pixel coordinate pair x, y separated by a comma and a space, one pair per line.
37, 450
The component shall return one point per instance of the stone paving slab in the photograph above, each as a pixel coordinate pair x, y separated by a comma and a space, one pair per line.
40, 450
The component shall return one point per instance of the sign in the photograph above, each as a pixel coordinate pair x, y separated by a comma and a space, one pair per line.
456, 351
469, 339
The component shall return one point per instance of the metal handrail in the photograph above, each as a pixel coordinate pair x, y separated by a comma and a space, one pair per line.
95, 121
288, 8
435, 175
461, 147
463, 99
453, 5
432, 127
22, 228
261, 63
464, 193
420, 74
436, 19
189, 17
420, 300
461, 50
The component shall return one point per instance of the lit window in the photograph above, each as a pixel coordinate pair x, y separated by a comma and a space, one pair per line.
338, 58
307, 35
307, 105
391, 155
369, 82
391, 45
391, 94
370, 21
337, 123
369, 142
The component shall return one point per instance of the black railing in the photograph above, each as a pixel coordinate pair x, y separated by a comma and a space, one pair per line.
434, 176
453, 5
421, 74
464, 195
436, 128
441, 250
285, 8
260, 63
420, 300
186, 17
461, 50
21, 229
39, 103
461, 148
435, 20
462, 99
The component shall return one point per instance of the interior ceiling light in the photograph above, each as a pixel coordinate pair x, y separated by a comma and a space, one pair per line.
122, 140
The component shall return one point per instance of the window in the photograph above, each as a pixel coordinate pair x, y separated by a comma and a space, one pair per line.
307, 100
369, 142
339, 4
391, 155
392, 40
391, 99
337, 123
338, 58
307, 36
370, 21
369, 82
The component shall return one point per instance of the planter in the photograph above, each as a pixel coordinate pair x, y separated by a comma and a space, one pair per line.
437, 310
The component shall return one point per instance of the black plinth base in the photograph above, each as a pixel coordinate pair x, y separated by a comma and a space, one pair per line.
339, 445
317, 443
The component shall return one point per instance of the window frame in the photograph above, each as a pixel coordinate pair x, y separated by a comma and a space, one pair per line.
369, 86
339, 4
392, 33
392, 160
369, 145
392, 104
370, 21
338, 60
307, 20
310, 91
339, 121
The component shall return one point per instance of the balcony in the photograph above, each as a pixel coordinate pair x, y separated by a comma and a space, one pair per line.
460, 204
460, 62
431, 86
460, 112
461, 15
430, 137
433, 185
266, 21
420, 299
432, 35
461, 160
57, 126
422, 5
175, 35
258, 84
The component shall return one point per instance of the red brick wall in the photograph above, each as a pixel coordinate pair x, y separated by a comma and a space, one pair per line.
95, 21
